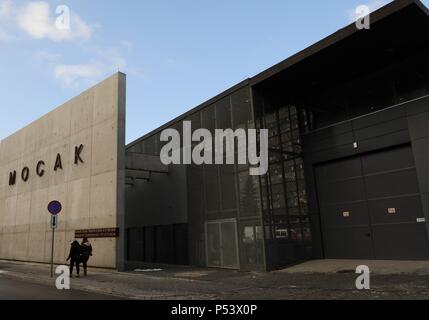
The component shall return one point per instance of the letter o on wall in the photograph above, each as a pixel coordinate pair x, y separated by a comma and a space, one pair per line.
25, 174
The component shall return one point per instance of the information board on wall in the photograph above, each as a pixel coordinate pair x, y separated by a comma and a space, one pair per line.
97, 233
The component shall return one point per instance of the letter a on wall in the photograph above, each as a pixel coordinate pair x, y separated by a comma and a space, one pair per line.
58, 163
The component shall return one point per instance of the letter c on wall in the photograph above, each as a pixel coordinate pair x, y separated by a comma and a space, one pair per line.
40, 172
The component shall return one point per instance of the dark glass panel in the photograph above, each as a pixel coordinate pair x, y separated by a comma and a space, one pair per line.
242, 109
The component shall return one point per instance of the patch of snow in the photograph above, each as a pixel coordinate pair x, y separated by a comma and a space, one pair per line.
147, 270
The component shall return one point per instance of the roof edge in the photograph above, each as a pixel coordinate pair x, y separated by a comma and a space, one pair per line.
336, 37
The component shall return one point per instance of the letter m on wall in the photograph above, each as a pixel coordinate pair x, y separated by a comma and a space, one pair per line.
12, 178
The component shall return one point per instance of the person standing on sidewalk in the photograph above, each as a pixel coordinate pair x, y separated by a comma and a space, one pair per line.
86, 253
74, 257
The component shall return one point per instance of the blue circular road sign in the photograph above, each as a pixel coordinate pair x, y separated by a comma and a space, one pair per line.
54, 207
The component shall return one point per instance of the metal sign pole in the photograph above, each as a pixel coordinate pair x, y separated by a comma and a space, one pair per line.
54, 208
52, 251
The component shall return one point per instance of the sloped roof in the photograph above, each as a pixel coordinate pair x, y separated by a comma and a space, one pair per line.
397, 29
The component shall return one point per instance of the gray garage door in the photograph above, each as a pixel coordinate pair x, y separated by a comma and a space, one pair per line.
370, 207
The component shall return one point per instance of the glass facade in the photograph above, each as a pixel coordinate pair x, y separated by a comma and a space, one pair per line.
228, 192
223, 201
283, 189
262, 221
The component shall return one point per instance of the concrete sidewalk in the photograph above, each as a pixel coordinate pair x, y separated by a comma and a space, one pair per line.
378, 267
336, 281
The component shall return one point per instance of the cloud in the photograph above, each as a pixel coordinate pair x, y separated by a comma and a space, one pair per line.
373, 5
6, 9
39, 21
72, 75
107, 61
6, 15
36, 21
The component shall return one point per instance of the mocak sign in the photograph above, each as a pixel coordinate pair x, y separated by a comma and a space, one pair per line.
40, 167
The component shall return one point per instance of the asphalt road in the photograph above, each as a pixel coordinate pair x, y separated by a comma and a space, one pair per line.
11, 289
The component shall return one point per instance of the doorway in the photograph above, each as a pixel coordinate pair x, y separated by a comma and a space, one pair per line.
222, 244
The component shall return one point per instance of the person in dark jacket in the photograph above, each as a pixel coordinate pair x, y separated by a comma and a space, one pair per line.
74, 257
86, 252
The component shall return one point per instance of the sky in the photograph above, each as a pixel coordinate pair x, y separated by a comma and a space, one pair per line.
176, 54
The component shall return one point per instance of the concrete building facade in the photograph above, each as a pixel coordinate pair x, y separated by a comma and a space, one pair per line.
72, 155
